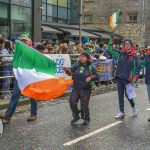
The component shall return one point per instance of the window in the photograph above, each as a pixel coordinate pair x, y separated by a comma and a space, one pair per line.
6, 1
22, 2
20, 13
20, 19
62, 12
88, 19
43, 18
132, 17
3, 11
56, 11
44, 9
4, 20
54, 2
51, 10
62, 3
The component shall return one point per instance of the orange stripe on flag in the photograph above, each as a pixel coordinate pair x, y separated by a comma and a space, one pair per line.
112, 25
47, 89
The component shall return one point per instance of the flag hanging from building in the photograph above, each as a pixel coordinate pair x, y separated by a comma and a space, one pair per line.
114, 19
35, 74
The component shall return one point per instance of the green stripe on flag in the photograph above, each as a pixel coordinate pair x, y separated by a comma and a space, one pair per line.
26, 57
118, 17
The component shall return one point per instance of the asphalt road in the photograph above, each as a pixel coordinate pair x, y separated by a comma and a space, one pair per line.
52, 130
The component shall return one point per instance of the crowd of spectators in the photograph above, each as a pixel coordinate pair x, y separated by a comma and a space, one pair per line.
96, 50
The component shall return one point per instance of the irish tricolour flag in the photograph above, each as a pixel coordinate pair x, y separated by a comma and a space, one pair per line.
35, 74
114, 19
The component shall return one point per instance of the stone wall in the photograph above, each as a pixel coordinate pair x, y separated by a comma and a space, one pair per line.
101, 10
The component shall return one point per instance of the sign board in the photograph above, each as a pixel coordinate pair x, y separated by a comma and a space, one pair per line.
62, 60
105, 69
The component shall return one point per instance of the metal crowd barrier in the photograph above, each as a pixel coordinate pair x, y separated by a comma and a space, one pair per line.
4, 80
6, 77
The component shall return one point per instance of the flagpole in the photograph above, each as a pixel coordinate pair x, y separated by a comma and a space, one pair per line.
142, 40
80, 23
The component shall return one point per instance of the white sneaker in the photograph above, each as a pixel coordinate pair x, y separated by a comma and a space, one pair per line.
134, 110
120, 115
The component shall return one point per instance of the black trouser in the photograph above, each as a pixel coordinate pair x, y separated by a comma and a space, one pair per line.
121, 84
84, 96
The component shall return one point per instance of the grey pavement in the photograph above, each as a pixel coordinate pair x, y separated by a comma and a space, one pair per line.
52, 128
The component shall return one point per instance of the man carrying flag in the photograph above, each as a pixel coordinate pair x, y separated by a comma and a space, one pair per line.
15, 98
36, 78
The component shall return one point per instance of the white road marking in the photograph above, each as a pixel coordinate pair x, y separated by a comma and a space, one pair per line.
1, 127
148, 109
91, 134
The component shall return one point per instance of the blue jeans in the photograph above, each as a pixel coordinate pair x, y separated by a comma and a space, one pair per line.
6, 71
148, 91
14, 100
121, 84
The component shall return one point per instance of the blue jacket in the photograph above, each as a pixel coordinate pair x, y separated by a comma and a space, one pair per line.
80, 73
128, 67
146, 64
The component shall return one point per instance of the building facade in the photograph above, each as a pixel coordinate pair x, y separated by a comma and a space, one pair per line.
133, 21
52, 19
15, 18
20, 16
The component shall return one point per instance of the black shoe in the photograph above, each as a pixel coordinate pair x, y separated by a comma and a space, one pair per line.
148, 119
75, 119
32, 118
5, 119
86, 122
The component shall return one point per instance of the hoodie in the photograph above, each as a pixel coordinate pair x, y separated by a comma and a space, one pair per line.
128, 67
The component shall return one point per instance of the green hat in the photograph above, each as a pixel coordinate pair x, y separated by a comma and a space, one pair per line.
88, 50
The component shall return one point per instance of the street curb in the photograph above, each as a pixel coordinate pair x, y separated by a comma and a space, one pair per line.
21, 102
100, 90
25, 101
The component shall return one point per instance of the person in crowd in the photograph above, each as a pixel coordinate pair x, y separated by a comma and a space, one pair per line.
101, 48
48, 46
106, 52
39, 47
71, 47
15, 98
138, 50
128, 69
88, 48
6, 67
146, 64
64, 49
83, 74
58, 47
78, 48
9, 45
52, 51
